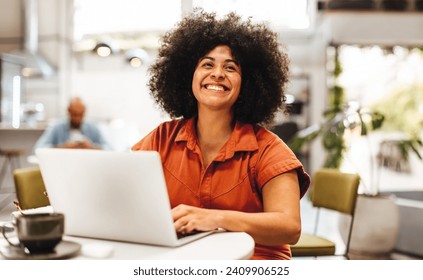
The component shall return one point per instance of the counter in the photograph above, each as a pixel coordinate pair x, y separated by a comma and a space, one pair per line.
22, 138
23, 127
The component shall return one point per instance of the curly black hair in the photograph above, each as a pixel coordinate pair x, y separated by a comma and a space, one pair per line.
264, 66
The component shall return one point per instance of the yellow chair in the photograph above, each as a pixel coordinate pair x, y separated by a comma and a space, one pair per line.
30, 189
334, 190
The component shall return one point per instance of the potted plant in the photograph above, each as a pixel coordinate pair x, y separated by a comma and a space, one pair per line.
377, 219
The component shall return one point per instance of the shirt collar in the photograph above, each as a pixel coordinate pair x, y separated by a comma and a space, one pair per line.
243, 138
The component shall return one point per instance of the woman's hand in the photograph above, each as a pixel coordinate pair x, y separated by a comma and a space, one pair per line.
279, 223
188, 218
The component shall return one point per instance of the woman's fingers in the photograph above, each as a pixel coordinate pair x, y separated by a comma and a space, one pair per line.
188, 218
180, 218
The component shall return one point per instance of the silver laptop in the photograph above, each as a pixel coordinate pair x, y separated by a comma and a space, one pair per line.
111, 195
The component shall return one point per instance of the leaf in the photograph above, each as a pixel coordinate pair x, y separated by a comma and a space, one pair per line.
416, 151
377, 120
303, 136
410, 144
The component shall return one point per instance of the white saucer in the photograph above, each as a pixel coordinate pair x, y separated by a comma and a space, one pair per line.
65, 249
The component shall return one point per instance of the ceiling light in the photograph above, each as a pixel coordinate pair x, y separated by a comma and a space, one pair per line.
104, 49
137, 57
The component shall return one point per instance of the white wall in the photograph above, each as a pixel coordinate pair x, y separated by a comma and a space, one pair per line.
117, 95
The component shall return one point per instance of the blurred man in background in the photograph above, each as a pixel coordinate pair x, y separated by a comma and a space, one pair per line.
73, 132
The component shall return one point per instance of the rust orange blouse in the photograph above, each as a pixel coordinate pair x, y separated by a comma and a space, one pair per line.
233, 180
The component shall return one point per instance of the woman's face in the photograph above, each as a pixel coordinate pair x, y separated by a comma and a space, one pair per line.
217, 80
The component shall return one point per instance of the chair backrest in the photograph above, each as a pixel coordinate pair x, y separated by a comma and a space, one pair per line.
335, 190
286, 130
30, 189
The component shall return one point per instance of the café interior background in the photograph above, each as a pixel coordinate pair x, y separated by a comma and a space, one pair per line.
64, 33
380, 49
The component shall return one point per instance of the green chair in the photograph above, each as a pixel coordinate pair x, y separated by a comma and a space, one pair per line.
30, 189
333, 190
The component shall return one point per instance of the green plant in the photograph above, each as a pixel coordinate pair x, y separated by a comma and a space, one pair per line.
402, 108
332, 129
342, 117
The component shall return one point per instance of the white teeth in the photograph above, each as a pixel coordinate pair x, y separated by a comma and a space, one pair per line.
215, 87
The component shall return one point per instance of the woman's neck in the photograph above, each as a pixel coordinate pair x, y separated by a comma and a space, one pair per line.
214, 126
213, 131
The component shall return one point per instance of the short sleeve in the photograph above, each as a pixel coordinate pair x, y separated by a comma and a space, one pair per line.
275, 158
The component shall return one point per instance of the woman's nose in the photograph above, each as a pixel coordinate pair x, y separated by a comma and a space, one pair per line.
217, 73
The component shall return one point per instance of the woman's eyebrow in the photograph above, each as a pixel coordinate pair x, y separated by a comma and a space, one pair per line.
212, 58
207, 57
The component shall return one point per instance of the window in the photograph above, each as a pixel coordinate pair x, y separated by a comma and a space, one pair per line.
124, 16
370, 74
96, 17
290, 14
388, 80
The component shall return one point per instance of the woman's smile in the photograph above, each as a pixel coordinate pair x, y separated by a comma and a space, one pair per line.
216, 83
216, 87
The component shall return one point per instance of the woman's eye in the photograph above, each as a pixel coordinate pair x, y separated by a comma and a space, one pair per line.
231, 68
207, 64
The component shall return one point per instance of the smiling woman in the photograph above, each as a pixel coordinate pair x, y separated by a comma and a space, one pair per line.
222, 81
254, 48
217, 80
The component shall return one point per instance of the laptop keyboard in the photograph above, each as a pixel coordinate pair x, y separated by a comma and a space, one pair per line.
182, 235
